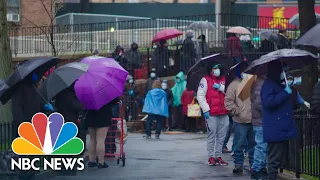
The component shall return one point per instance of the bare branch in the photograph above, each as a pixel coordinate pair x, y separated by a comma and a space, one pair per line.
46, 9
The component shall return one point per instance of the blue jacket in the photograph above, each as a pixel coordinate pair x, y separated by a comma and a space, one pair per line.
156, 103
277, 113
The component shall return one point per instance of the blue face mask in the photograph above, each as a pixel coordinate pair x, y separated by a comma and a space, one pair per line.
216, 72
290, 82
34, 78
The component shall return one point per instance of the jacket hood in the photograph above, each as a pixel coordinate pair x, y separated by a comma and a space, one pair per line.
181, 76
274, 71
134, 46
158, 93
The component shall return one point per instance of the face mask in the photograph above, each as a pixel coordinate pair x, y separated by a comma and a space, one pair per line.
216, 72
178, 80
243, 75
164, 86
153, 75
131, 81
282, 76
290, 83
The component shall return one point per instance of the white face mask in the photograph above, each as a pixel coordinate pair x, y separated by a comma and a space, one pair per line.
164, 86
216, 72
243, 75
131, 81
153, 75
178, 80
290, 82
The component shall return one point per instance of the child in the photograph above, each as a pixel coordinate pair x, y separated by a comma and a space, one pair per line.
188, 96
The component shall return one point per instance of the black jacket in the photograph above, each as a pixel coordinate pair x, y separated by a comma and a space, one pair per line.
315, 102
284, 42
169, 96
68, 105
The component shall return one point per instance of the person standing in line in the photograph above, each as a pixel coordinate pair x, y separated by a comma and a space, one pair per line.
241, 113
259, 165
152, 78
188, 97
277, 117
284, 42
234, 48
211, 96
168, 91
177, 91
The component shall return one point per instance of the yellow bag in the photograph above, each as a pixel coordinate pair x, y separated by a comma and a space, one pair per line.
194, 109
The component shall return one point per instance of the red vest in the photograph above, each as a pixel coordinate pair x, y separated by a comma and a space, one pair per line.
215, 98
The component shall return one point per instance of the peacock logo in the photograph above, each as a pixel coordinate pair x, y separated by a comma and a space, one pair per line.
47, 136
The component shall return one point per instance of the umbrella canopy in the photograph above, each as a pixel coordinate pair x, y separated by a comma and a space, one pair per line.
200, 69
103, 82
62, 78
238, 30
96, 59
310, 38
37, 65
3, 87
294, 20
270, 36
201, 25
294, 58
166, 34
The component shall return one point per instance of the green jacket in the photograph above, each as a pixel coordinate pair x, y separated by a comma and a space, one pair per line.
178, 89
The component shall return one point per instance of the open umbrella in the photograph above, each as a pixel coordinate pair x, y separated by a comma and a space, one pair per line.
166, 34
96, 59
3, 87
310, 38
294, 58
201, 25
270, 36
62, 78
200, 69
37, 65
239, 30
294, 20
103, 82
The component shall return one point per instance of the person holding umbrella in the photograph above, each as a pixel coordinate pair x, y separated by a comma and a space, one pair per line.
169, 93
189, 52
234, 48
284, 42
211, 96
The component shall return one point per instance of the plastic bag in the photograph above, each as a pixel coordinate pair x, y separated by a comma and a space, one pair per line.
194, 110
119, 131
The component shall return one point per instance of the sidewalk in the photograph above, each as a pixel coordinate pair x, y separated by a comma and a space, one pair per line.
174, 157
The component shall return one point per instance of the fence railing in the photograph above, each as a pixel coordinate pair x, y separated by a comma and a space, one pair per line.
303, 155
104, 37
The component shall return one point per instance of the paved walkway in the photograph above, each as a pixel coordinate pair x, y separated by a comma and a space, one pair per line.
174, 157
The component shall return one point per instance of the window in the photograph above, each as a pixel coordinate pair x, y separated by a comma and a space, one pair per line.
13, 3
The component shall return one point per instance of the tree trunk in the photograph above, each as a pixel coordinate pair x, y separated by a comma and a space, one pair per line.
6, 59
309, 73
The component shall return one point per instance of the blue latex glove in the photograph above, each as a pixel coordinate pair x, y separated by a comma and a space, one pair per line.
216, 85
131, 92
206, 115
288, 89
48, 107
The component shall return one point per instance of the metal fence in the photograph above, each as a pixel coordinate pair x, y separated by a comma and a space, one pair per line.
303, 153
104, 37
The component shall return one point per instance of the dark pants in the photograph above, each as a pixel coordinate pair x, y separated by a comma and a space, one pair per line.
170, 118
178, 121
159, 124
226, 140
243, 133
275, 150
190, 123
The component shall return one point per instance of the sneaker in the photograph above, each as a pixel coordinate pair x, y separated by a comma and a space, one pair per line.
92, 164
221, 162
147, 137
211, 161
104, 165
256, 175
238, 170
264, 172
157, 136
226, 150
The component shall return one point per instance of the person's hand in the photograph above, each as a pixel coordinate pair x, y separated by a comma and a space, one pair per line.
48, 107
131, 92
307, 104
216, 85
206, 115
288, 90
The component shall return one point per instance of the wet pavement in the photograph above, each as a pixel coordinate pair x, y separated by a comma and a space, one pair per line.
174, 157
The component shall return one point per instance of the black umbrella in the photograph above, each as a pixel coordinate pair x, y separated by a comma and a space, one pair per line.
3, 87
62, 78
270, 36
232, 72
201, 69
37, 65
294, 58
310, 38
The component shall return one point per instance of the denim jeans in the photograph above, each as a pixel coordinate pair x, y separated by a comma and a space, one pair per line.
159, 124
226, 140
242, 133
260, 150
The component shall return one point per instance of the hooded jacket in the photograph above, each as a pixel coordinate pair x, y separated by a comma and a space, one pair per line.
156, 103
178, 89
277, 113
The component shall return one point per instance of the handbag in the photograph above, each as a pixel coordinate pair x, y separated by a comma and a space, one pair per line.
194, 109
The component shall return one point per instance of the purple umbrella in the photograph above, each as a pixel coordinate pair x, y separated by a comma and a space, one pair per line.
96, 59
103, 82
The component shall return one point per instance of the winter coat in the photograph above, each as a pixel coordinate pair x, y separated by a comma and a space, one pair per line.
169, 96
156, 103
160, 60
187, 97
211, 99
189, 51
134, 60
240, 110
26, 102
234, 46
315, 102
256, 107
130, 87
178, 89
205, 49
68, 105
